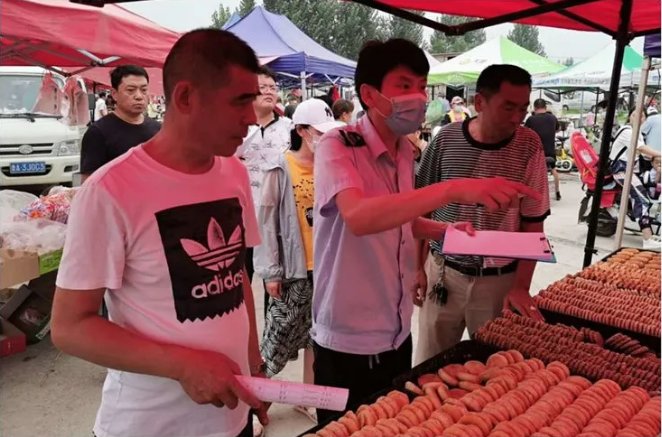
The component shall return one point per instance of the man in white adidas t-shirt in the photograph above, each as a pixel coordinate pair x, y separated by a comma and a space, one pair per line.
161, 233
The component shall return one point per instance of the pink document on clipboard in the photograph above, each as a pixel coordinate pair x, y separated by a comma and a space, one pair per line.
499, 244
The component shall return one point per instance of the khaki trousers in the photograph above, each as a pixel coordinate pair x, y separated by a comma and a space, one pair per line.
472, 302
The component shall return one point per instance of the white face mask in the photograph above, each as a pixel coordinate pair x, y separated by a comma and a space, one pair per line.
407, 113
313, 140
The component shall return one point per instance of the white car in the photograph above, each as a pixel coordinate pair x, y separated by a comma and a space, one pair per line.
35, 149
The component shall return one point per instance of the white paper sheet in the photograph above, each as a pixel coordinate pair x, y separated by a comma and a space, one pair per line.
515, 245
296, 393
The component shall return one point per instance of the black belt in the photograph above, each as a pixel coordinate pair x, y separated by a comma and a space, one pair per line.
482, 271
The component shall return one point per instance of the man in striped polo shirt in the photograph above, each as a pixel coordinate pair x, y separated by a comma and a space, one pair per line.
465, 291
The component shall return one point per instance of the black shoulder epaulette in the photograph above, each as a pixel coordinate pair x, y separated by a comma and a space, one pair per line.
352, 139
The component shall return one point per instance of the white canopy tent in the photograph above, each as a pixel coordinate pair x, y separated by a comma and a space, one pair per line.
595, 73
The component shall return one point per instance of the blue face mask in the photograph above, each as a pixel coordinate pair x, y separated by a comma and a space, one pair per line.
407, 113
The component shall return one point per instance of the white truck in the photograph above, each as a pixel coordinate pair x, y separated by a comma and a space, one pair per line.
35, 149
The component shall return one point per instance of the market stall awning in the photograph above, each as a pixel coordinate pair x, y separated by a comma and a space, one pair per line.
595, 72
593, 15
294, 52
101, 76
59, 33
465, 68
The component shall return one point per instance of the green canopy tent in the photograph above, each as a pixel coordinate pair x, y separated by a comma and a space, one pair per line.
465, 68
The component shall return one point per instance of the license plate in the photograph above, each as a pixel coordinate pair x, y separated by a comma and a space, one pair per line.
27, 168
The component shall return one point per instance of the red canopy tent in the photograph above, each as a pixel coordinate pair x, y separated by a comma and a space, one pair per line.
621, 19
101, 76
51, 33
591, 15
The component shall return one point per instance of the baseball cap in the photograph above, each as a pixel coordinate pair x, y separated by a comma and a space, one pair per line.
315, 113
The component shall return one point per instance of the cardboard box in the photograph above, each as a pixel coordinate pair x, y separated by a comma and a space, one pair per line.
17, 267
12, 340
29, 309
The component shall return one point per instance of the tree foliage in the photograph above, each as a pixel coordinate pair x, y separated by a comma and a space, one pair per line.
220, 16
528, 37
245, 7
401, 28
442, 43
342, 27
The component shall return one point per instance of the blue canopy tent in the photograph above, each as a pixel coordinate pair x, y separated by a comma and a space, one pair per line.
232, 20
288, 51
652, 46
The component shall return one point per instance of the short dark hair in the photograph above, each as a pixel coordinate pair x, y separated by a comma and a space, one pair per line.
123, 71
266, 71
203, 57
540, 104
342, 106
102, 94
490, 80
295, 139
377, 59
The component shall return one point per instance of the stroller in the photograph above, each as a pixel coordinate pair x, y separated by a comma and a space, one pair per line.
586, 160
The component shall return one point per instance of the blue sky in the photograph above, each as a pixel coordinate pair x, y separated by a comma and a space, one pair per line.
182, 15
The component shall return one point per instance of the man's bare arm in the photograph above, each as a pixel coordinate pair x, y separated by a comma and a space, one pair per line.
254, 356
519, 297
649, 151
77, 329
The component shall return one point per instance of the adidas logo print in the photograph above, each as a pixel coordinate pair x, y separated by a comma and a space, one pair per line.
220, 254
218, 257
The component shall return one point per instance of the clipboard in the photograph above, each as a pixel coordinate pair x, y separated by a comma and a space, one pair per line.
532, 246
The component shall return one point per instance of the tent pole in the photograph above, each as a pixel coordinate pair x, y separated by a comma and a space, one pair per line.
303, 86
622, 40
632, 152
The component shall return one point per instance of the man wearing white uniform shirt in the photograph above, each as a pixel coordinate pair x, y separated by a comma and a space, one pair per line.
161, 233
266, 141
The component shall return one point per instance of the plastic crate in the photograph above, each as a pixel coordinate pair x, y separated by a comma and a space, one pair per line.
460, 353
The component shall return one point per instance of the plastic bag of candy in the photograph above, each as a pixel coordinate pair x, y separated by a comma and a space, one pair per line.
54, 206
11, 203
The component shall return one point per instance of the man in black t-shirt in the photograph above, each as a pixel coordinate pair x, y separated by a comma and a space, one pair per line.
546, 125
126, 127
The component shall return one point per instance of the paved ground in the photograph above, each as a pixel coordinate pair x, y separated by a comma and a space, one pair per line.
46, 393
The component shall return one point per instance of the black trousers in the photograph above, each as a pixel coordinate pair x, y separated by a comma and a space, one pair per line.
250, 269
363, 375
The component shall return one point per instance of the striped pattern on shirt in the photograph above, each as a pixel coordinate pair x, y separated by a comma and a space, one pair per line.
454, 154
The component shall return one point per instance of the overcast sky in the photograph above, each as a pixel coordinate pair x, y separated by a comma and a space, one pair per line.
182, 15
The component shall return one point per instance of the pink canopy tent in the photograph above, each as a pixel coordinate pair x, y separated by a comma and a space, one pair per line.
51, 33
